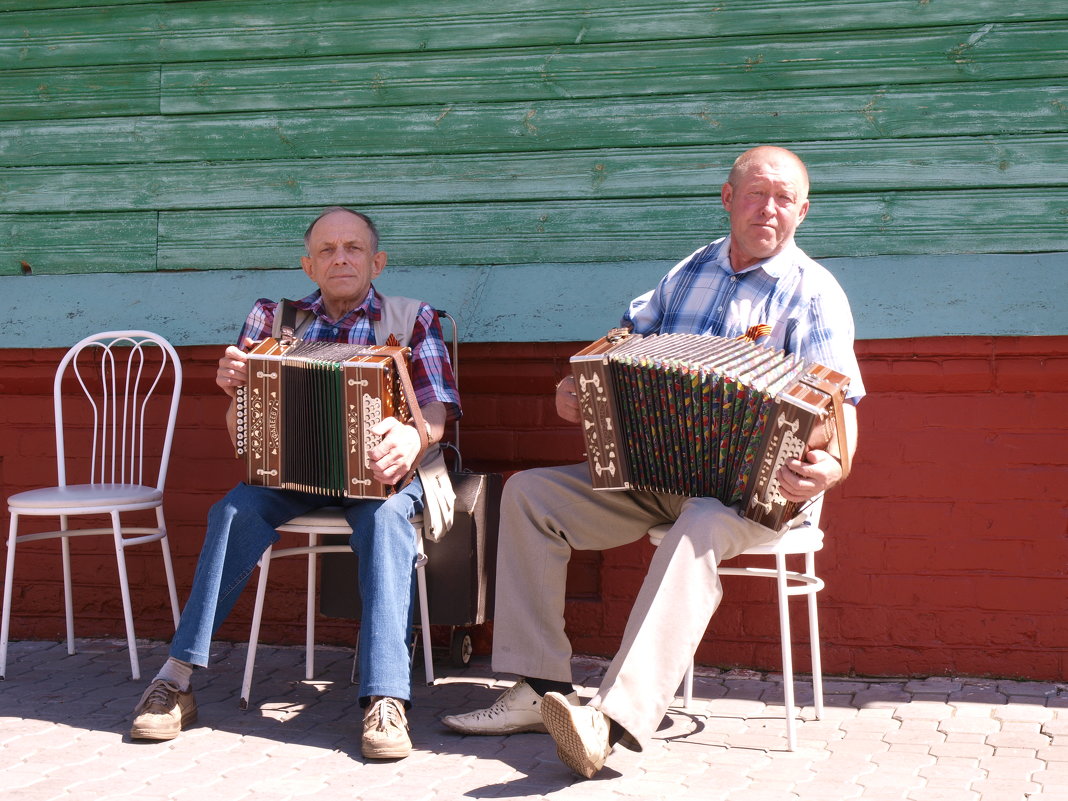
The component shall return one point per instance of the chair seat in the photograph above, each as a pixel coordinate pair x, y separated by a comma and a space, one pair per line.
82, 496
327, 517
802, 539
318, 519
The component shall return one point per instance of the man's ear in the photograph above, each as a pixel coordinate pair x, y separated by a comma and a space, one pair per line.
306, 265
378, 263
725, 195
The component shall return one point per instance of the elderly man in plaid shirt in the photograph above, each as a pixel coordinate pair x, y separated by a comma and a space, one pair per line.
342, 259
756, 276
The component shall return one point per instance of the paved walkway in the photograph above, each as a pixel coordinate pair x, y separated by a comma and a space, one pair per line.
64, 723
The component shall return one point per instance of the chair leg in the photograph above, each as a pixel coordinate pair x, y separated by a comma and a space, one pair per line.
168, 567
309, 623
68, 592
9, 573
787, 652
687, 687
124, 587
424, 613
254, 634
814, 633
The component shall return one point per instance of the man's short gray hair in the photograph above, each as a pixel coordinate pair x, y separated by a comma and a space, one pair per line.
330, 210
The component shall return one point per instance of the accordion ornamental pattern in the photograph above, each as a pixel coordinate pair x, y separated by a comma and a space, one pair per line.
304, 418
703, 416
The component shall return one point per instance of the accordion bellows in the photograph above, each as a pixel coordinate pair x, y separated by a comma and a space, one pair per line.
304, 418
703, 416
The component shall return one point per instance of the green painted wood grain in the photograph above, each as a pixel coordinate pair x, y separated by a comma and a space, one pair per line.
92, 92
835, 167
979, 52
1003, 221
960, 53
1003, 107
51, 244
236, 29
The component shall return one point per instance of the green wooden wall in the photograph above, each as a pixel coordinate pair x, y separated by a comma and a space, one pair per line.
505, 147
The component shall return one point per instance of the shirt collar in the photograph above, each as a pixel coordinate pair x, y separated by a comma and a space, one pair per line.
371, 307
776, 266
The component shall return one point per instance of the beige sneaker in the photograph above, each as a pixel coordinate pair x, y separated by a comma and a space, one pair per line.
518, 709
163, 712
581, 734
385, 730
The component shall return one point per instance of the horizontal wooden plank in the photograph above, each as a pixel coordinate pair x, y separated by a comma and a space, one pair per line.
237, 29
50, 244
91, 92
961, 53
29, 5
1006, 107
878, 165
579, 231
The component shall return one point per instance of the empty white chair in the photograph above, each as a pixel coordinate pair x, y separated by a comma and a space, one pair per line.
801, 541
123, 402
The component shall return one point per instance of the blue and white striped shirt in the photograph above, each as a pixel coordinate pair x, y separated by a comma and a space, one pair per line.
802, 302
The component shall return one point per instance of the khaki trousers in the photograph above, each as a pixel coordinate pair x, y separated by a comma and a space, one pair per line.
548, 512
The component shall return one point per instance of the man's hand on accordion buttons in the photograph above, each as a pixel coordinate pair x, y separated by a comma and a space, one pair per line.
567, 400
396, 453
799, 481
233, 370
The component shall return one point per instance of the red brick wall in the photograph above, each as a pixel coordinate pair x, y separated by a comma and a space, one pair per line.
946, 552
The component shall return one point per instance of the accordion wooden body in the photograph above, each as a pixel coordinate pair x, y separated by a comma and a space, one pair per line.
703, 416
304, 418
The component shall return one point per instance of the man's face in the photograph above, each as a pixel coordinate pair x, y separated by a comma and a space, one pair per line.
341, 258
766, 204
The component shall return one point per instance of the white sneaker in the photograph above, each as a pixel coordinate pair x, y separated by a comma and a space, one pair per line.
518, 709
581, 734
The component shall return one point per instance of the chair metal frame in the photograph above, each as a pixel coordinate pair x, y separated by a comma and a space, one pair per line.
803, 540
328, 520
331, 520
128, 381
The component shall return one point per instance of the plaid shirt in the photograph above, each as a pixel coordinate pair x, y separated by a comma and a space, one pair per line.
432, 376
802, 302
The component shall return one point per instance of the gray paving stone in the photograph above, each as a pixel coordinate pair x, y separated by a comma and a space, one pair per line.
64, 724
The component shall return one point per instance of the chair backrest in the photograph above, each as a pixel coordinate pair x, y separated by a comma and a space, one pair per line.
119, 380
453, 340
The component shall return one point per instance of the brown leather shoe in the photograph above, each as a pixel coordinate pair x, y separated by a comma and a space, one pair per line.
385, 730
163, 712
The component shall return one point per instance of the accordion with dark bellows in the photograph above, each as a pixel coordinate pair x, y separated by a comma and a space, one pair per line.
305, 416
704, 416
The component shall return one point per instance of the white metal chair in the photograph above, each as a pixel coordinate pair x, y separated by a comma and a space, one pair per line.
126, 389
322, 522
804, 541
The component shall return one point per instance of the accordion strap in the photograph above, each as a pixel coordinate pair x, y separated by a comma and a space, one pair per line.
840, 432
417, 414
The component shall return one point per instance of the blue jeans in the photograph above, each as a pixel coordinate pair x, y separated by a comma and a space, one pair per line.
242, 525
